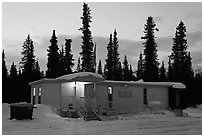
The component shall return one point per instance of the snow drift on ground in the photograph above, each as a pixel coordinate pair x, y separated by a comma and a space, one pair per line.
46, 121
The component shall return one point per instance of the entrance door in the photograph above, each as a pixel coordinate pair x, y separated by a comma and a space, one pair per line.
110, 97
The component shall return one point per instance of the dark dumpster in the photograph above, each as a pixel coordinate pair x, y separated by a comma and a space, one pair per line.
21, 111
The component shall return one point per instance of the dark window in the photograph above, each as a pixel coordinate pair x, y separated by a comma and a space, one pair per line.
110, 97
145, 96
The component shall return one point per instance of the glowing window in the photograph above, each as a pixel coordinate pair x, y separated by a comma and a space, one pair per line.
110, 90
39, 91
33, 91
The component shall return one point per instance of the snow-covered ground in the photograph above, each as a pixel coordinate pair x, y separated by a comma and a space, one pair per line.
47, 122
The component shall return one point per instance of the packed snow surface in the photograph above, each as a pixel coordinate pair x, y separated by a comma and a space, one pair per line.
46, 121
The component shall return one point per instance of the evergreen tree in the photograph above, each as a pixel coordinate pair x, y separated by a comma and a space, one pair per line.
87, 52
28, 68
105, 71
162, 76
5, 93
126, 69
19, 74
116, 58
13, 72
169, 74
181, 65
37, 72
4, 68
109, 60
13, 97
28, 60
53, 64
131, 77
151, 70
140, 67
62, 61
197, 85
119, 72
79, 65
99, 68
94, 60
68, 59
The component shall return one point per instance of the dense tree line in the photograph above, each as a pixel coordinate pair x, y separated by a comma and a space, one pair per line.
60, 62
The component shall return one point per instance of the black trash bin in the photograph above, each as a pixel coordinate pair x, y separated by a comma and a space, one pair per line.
21, 111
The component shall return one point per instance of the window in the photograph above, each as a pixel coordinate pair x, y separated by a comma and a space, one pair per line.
110, 97
145, 96
110, 90
39, 95
33, 95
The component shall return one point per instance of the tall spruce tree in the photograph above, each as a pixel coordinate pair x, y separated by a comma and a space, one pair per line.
116, 58
37, 73
140, 67
53, 64
181, 60
162, 74
28, 60
126, 72
169, 73
68, 58
94, 60
120, 72
181, 64
62, 61
109, 60
131, 77
87, 52
151, 70
105, 71
79, 65
28, 65
13, 81
5, 92
99, 71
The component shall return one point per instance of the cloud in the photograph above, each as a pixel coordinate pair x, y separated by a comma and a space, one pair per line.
158, 19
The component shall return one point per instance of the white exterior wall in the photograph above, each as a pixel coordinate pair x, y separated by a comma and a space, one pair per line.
158, 94
137, 95
133, 102
68, 94
50, 94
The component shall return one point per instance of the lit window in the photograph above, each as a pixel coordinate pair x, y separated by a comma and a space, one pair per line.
110, 90
33, 95
33, 91
39, 91
39, 95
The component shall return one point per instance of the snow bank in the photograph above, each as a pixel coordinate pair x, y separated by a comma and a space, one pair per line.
45, 121
164, 114
194, 112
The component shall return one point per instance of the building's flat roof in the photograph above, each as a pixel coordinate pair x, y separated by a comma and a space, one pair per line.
44, 80
94, 77
141, 83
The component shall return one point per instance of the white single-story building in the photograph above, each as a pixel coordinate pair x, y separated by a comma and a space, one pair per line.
86, 90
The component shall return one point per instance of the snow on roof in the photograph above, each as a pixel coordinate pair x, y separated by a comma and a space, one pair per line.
44, 80
82, 76
141, 82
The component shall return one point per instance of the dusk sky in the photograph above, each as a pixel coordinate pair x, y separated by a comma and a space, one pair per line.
39, 19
